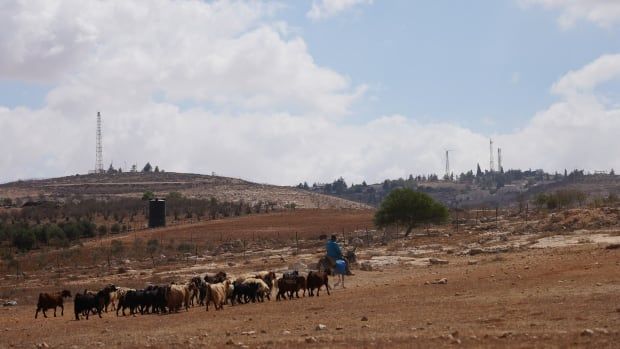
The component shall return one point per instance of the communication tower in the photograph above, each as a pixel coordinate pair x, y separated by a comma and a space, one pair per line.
99, 147
491, 161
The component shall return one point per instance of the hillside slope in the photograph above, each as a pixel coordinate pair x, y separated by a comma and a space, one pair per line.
190, 185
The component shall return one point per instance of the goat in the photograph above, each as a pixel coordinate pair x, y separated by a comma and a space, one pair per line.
316, 280
217, 294
85, 303
53, 300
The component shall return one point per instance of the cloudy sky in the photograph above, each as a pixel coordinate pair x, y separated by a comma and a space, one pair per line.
286, 91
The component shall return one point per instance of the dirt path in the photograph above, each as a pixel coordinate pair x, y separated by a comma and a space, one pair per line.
531, 298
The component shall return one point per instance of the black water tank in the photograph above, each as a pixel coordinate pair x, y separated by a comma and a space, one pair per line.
157, 213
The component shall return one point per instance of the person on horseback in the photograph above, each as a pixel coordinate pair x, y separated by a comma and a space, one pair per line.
334, 253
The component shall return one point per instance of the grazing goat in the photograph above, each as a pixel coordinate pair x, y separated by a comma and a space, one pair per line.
262, 288
178, 295
121, 298
290, 283
212, 278
316, 280
85, 303
243, 293
217, 294
115, 296
268, 276
51, 300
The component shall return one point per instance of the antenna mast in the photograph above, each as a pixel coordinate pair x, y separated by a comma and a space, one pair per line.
99, 149
491, 161
499, 159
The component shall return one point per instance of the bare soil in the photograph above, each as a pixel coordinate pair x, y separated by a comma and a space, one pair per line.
520, 296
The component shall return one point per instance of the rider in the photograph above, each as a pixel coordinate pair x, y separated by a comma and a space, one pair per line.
334, 253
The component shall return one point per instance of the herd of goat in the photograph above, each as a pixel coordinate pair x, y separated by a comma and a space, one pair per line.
217, 288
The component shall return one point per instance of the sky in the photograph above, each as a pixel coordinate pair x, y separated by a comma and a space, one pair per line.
283, 92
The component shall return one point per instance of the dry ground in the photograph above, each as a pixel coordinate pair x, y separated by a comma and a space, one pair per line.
522, 298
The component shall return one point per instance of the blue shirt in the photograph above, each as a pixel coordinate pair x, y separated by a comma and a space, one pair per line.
333, 250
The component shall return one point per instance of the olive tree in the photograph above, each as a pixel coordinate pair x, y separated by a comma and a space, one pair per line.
409, 208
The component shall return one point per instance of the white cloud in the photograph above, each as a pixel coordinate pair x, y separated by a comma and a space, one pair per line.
322, 9
221, 53
263, 109
604, 13
605, 68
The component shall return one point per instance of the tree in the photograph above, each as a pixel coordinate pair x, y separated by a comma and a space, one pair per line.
478, 171
152, 246
156, 169
148, 195
409, 208
147, 167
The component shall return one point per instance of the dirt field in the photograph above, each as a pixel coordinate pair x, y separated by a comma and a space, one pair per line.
544, 290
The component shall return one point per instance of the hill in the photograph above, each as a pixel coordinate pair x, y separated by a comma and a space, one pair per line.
135, 184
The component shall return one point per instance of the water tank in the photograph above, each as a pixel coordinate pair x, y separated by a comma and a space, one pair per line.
157, 213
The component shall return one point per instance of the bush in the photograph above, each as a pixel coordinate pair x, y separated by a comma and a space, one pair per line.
115, 228
24, 239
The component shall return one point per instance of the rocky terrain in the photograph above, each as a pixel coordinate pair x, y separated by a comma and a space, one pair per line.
552, 281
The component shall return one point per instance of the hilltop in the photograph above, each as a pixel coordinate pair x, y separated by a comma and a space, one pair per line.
134, 184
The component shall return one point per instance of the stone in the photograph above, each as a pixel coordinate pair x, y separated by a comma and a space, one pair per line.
613, 246
364, 318
311, 340
601, 330
587, 332
10, 303
285, 332
298, 266
230, 342
43, 345
366, 266
441, 281
472, 262
475, 251
321, 327
437, 261
248, 333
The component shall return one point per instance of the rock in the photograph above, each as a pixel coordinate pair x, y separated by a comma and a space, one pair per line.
364, 318
42, 345
472, 262
601, 330
248, 333
612, 247
437, 261
121, 270
311, 340
285, 332
475, 251
339, 328
587, 332
231, 264
9, 303
298, 266
357, 242
441, 281
599, 284
366, 266
320, 327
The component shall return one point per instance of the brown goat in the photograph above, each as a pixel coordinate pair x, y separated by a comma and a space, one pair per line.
51, 300
316, 280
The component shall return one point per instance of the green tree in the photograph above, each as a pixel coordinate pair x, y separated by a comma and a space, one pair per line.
409, 208
148, 195
147, 167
